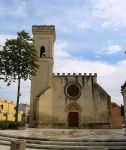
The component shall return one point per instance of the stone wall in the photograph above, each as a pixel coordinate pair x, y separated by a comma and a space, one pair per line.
55, 98
44, 36
94, 103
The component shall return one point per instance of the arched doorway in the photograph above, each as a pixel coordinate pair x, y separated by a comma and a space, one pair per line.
73, 119
73, 115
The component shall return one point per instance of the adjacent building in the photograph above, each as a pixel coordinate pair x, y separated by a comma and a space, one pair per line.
25, 108
64, 100
7, 111
116, 116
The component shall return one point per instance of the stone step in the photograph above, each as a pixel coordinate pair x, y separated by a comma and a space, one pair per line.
65, 144
7, 137
77, 143
57, 147
70, 145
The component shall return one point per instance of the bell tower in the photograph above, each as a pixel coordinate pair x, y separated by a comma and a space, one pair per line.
44, 37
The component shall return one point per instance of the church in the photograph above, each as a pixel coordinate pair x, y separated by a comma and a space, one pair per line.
64, 100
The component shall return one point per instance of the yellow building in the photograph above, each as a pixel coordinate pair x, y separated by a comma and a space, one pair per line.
7, 111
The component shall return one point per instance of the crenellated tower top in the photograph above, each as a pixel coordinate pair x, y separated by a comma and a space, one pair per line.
44, 29
44, 37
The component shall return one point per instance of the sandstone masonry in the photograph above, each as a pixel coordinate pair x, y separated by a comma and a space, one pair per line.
64, 100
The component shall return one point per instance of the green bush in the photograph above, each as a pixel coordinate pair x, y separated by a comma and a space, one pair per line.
10, 125
4, 124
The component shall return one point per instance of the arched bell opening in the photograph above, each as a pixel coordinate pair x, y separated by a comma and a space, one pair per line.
42, 52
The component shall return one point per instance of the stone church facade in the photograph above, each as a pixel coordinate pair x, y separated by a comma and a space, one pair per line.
64, 100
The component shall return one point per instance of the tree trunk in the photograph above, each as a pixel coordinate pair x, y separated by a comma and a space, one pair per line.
18, 96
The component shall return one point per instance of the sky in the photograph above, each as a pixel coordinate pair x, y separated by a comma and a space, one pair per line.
90, 38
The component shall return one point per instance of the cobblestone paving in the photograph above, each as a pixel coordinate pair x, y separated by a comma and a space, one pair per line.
67, 134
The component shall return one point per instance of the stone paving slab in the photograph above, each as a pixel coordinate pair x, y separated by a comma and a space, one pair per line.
3, 147
67, 134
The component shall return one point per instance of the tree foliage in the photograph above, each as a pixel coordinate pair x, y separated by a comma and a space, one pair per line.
18, 60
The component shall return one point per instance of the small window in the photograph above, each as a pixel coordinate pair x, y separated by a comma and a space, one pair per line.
5, 114
1, 106
42, 51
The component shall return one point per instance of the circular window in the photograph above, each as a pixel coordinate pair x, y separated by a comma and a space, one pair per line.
73, 91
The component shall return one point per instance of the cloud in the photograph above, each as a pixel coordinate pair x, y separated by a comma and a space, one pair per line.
4, 37
20, 10
15, 9
61, 50
110, 48
83, 25
71, 64
113, 81
114, 49
106, 24
110, 77
112, 13
66, 20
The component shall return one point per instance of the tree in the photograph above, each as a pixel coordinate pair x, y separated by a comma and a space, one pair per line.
18, 61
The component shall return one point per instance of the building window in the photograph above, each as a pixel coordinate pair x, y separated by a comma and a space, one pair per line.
1, 106
42, 51
73, 90
5, 114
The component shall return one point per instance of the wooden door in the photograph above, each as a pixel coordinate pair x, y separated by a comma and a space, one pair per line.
73, 119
